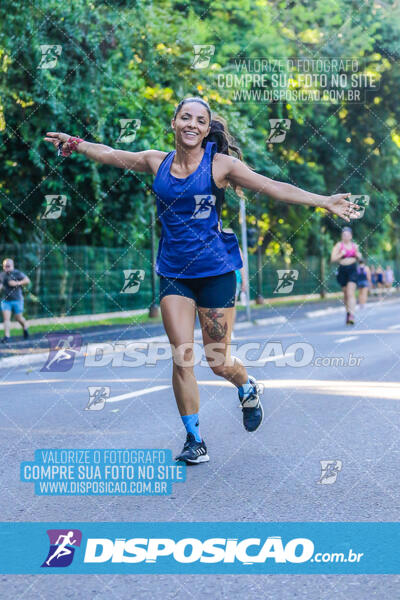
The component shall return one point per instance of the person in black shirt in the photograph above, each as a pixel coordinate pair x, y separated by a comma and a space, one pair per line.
12, 300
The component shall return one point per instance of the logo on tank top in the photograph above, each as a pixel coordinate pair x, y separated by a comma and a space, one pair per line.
204, 204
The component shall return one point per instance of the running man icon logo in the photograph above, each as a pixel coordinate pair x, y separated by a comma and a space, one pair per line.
50, 56
54, 206
62, 547
279, 129
204, 204
63, 347
286, 280
97, 397
129, 128
202, 55
362, 201
329, 471
133, 279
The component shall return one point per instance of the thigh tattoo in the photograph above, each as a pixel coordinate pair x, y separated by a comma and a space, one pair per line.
217, 331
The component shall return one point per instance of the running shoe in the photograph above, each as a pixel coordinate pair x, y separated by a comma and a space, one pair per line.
26, 334
5, 340
252, 409
193, 452
350, 319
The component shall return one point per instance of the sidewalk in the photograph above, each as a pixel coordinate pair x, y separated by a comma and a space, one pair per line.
64, 320
26, 352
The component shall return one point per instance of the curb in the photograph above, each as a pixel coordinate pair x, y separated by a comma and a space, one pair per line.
91, 349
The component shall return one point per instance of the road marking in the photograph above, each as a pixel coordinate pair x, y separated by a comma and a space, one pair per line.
324, 311
346, 339
271, 321
157, 388
384, 390
394, 327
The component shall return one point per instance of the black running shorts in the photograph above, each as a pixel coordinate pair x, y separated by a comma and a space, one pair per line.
347, 273
217, 291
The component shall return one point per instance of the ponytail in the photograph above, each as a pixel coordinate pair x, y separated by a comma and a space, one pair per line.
225, 143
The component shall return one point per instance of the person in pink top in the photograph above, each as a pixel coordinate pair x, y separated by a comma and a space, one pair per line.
346, 253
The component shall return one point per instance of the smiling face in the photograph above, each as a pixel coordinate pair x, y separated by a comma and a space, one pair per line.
191, 124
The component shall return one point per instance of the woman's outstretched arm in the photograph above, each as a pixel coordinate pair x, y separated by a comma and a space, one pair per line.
144, 162
238, 174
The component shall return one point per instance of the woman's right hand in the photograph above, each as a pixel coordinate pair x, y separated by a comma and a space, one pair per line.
56, 138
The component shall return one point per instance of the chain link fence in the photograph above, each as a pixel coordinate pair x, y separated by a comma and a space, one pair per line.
76, 280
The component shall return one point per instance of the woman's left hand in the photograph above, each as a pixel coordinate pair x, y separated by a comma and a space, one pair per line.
339, 205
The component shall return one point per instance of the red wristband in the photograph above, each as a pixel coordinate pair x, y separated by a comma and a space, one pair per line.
70, 146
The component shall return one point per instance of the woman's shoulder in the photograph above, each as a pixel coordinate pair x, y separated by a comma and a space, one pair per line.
155, 158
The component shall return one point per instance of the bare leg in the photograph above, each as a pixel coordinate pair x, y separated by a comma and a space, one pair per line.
179, 315
362, 296
351, 297
345, 298
216, 325
21, 320
6, 322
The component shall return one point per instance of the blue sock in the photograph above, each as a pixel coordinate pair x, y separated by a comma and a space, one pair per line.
191, 422
245, 389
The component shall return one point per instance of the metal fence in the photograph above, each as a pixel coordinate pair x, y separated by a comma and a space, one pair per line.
76, 280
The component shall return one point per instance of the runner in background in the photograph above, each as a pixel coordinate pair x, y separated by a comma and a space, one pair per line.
389, 278
346, 253
363, 282
12, 300
373, 279
380, 282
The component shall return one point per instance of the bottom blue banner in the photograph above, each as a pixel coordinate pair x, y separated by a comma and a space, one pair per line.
210, 548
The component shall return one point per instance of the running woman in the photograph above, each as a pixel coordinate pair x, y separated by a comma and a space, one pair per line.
380, 283
346, 253
389, 277
363, 282
196, 259
11, 283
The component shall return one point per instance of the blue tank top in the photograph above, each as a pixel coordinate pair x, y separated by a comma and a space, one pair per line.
192, 244
361, 274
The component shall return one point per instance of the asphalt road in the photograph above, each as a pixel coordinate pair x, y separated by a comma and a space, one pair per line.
313, 413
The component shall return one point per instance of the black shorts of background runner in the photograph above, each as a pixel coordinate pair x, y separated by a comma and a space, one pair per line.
347, 273
217, 291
